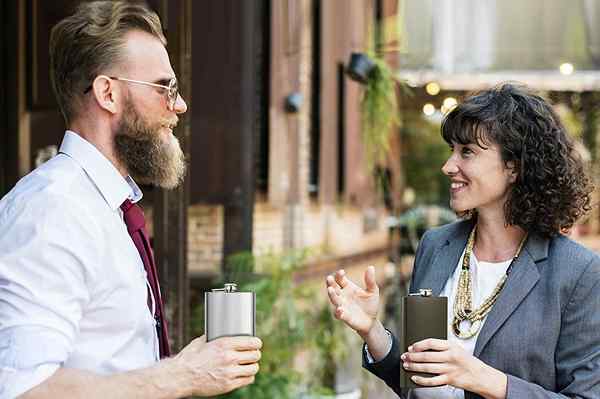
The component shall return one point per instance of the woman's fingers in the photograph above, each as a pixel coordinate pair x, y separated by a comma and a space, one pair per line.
331, 284
330, 281
334, 297
341, 279
425, 357
431, 368
336, 300
435, 381
370, 283
429, 344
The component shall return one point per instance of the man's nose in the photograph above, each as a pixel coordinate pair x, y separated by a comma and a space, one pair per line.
180, 106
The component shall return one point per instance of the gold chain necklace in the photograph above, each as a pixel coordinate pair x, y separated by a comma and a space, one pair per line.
463, 306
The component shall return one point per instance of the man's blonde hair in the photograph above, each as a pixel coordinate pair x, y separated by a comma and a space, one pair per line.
87, 43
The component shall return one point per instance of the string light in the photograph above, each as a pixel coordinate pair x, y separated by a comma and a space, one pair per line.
432, 88
566, 68
448, 104
428, 109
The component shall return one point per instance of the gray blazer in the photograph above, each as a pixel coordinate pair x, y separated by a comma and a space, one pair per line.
543, 331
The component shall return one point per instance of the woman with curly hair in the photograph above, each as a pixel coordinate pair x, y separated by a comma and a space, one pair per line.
523, 299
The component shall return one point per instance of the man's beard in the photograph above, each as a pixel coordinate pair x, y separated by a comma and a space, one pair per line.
149, 158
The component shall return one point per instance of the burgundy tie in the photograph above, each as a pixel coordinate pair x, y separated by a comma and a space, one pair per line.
136, 226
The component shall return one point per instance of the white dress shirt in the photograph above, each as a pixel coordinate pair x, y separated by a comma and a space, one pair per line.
73, 290
484, 277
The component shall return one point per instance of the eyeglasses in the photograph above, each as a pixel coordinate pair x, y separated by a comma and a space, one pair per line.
172, 88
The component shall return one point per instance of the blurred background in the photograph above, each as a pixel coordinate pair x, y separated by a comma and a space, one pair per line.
313, 143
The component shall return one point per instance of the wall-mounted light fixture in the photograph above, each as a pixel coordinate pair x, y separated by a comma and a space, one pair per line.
360, 67
293, 102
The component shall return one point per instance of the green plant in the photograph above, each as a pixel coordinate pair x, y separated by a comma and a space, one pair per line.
331, 343
379, 112
379, 103
423, 155
280, 321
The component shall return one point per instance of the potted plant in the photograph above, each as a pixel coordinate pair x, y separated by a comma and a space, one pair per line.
379, 108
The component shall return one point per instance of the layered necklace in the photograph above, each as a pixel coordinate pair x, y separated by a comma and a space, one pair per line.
463, 303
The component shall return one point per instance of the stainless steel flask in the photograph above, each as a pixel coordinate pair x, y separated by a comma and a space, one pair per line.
228, 312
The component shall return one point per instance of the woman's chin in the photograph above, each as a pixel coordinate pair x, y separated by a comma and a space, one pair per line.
456, 207
460, 209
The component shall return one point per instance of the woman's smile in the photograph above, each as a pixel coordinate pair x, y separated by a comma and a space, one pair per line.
457, 186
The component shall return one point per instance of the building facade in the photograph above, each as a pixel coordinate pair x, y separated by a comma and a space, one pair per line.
272, 133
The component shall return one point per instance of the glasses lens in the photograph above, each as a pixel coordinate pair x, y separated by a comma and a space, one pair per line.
173, 92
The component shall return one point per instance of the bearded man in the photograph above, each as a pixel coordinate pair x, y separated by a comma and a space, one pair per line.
81, 313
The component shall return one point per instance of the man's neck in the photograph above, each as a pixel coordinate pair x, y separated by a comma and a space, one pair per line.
103, 140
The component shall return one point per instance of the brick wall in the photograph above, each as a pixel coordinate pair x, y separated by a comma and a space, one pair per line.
205, 238
327, 231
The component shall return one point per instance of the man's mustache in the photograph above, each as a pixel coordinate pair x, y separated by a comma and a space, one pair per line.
171, 124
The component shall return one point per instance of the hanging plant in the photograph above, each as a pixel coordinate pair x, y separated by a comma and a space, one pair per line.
380, 115
379, 105
379, 108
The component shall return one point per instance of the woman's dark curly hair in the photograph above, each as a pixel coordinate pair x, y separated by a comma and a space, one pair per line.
552, 190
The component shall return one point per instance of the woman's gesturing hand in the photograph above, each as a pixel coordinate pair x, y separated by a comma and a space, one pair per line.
453, 366
355, 306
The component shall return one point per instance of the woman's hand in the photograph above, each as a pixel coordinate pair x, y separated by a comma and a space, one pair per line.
453, 366
355, 306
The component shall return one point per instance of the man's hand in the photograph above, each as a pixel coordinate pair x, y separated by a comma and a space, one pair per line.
219, 366
201, 368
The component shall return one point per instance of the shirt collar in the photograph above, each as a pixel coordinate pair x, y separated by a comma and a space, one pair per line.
114, 188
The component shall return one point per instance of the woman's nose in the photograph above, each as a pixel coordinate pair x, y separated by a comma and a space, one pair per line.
450, 168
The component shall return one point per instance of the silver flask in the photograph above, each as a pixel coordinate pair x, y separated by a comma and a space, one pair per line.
228, 312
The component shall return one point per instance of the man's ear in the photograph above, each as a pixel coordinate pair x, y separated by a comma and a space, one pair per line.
105, 93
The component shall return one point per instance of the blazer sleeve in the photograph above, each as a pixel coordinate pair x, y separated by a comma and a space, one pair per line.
578, 348
388, 368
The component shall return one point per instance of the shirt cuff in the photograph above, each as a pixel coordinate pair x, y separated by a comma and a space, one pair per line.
370, 359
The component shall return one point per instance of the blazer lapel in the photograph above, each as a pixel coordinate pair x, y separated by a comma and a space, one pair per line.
521, 280
446, 258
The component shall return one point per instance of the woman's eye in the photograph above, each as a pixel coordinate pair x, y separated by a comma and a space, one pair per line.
466, 151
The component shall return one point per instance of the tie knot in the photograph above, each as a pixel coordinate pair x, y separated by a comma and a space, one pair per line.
133, 216
126, 205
